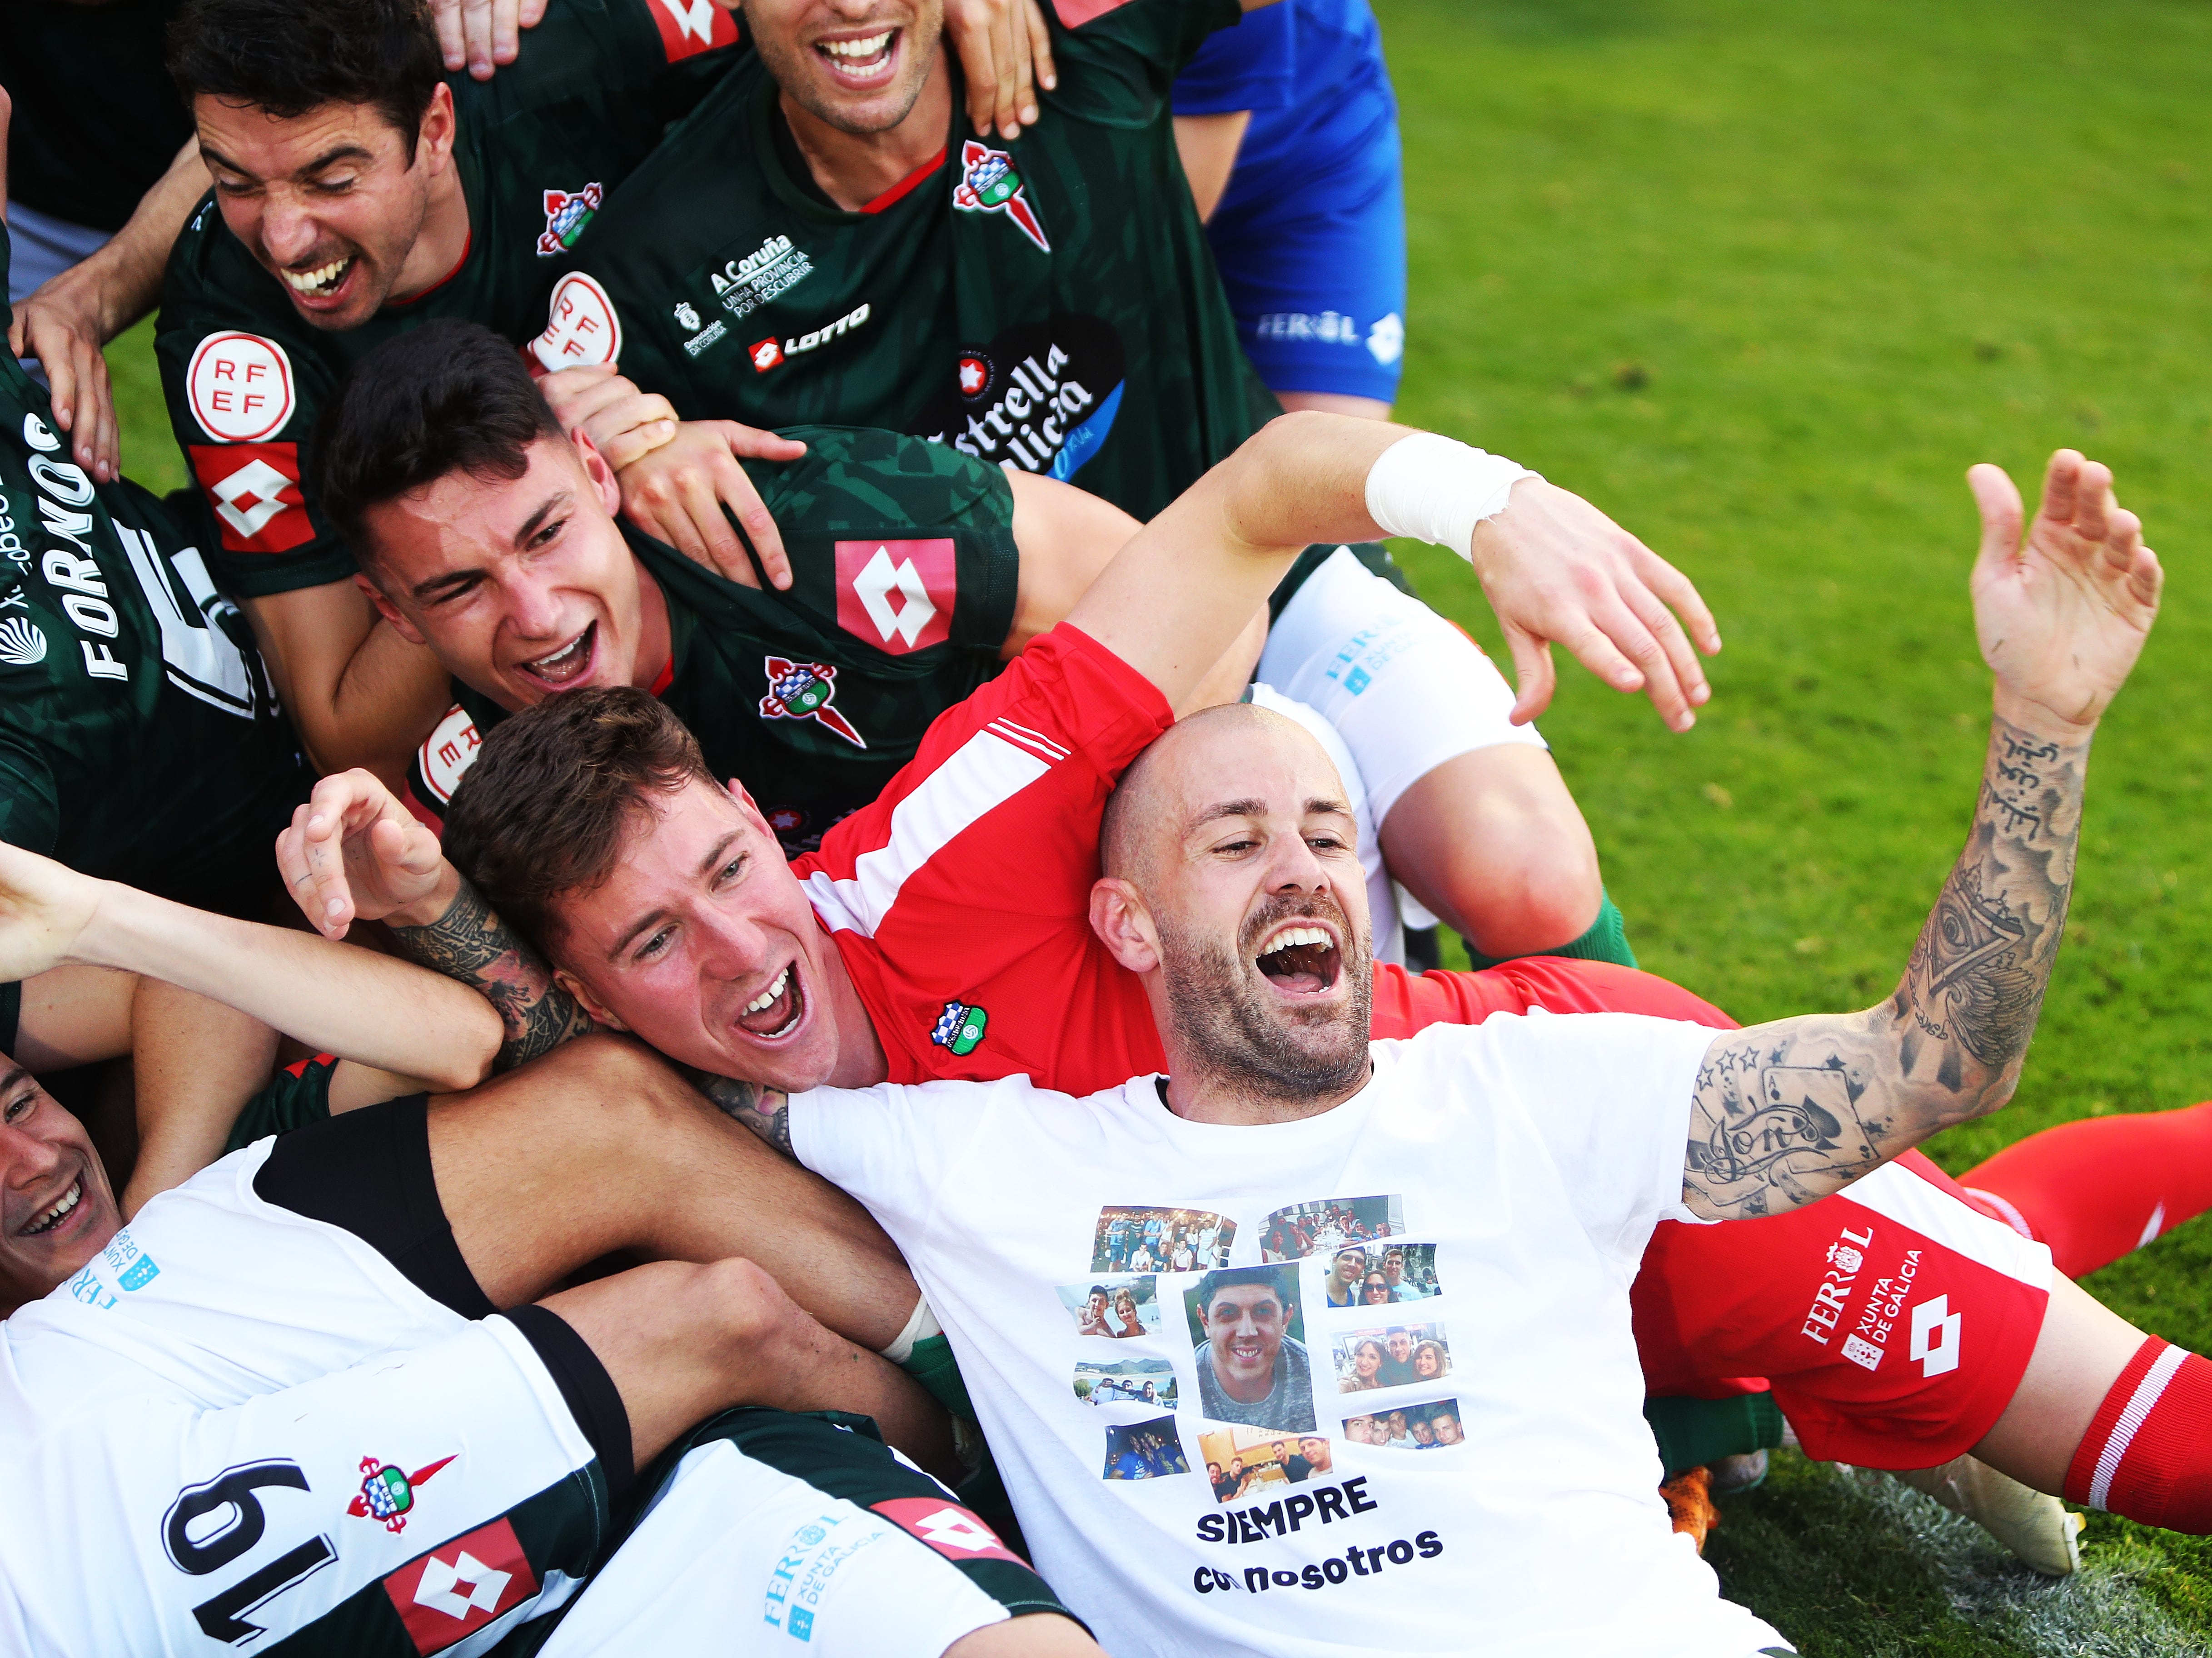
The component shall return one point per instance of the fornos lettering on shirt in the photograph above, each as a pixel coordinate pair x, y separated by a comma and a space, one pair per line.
63, 491
1042, 396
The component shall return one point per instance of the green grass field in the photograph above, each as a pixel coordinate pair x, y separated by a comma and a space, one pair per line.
1762, 281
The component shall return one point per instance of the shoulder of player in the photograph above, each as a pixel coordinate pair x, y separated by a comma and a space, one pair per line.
607, 48
674, 199
860, 480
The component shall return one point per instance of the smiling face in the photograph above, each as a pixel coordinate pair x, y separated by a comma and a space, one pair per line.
57, 1210
1366, 1360
700, 941
331, 203
524, 587
856, 66
1348, 1267
1234, 885
1377, 1291
1429, 1364
1244, 1325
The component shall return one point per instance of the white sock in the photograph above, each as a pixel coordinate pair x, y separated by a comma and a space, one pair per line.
919, 1327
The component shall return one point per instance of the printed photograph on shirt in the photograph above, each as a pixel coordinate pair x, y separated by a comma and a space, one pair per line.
1131, 1240
1114, 1307
1144, 1450
1247, 1338
1359, 1276
1327, 1224
1431, 1427
1132, 1382
1394, 1356
1242, 1462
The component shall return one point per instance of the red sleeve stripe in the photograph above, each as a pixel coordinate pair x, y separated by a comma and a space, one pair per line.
979, 777
1029, 739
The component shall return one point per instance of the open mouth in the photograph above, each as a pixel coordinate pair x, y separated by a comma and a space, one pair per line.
321, 282
776, 1011
47, 1219
569, 666
1300, 960
861, 62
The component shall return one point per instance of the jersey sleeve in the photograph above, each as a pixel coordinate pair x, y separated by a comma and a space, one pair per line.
1118, 58
990, 833
888, 1146
1610, 1094
1251, 66
1407, 1002
243, 396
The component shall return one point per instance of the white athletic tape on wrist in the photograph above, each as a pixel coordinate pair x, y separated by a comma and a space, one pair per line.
920, 1324
1438, 489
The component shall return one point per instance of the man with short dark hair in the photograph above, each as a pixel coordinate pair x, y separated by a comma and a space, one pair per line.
1250, 1368
1397, 1367
1345, 1273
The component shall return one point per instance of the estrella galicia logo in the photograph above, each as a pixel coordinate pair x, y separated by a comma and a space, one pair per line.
802, 691
989, 184
960, 1027
1042, 395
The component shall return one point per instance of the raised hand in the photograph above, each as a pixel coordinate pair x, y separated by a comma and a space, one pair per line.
44, 907
1554, 568
2062, 615
623, 423
679, 491
354, 853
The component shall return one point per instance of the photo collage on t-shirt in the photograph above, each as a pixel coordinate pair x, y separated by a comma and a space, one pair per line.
1282, 1354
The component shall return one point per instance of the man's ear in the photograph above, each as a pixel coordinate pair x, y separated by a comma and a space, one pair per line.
597, 469
434, 140
390, 613
1123, 924
591, 1004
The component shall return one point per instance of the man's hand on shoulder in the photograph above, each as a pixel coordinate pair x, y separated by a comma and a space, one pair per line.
623, 423
61, 324
1005, 48
482, 35
354, 853
679, 491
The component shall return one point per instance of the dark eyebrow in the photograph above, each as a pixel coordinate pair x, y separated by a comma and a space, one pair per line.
559, 501
341, 153
706, 866
1318, 806
15, 1074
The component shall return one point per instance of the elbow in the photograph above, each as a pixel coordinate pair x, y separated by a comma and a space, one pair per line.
474, 1059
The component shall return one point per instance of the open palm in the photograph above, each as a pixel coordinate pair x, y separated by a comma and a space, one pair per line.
2061, 616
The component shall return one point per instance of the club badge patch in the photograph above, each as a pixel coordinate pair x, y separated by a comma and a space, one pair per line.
988, 184
387, 1492
960, 1027
565, 215
802, 691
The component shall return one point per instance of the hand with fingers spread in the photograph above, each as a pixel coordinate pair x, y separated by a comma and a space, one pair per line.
1556, 570
482, 35
1006, 53
623, 423
45, 907
678, 492
354, 853
2062, 615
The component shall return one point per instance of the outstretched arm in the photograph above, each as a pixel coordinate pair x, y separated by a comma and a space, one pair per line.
1790, 1112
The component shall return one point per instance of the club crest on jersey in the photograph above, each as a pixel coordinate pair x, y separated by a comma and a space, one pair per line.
387, 1493
960, 1027
566, 213
989, 184
802, 691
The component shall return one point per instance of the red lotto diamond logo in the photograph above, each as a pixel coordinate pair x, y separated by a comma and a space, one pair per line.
690, 27
254, 489
949, 1529
897, 595
459, 1586
766, 354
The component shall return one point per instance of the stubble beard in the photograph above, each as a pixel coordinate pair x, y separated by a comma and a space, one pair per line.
1272, 1055
794, 72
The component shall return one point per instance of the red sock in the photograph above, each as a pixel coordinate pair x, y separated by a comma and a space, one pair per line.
2096, 1188
2148, 1452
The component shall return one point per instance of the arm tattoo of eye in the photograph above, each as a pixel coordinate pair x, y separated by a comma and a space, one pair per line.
471, 943
1790, 1112
766, 1112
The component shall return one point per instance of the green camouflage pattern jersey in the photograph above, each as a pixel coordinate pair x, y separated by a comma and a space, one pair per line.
904, 577
538, 147
138, 739
1048, 303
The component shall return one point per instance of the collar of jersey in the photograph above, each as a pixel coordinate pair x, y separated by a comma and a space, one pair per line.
790, 191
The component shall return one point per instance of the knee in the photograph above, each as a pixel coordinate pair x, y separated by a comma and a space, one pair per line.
748, 1317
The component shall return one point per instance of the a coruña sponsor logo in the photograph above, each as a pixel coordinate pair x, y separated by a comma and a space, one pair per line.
1042, 396
746, 284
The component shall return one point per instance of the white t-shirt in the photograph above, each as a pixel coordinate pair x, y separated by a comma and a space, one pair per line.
1536, 1154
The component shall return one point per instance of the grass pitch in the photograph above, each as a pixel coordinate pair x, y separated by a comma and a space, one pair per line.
1762, 281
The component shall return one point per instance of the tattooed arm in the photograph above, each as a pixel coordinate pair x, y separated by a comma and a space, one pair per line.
1790, 1112
354, 853
766, 1112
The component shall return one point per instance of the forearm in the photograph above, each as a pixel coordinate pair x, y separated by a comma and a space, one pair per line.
123, 281
358, 693
461, 938
337, 997
1302, 478
1787, 1113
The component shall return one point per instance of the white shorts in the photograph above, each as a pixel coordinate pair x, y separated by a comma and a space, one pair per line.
1405, 689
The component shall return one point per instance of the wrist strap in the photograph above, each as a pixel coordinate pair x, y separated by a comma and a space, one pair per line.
1438, 489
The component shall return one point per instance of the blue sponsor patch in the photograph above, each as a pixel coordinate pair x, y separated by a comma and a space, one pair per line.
140, 1273
1084, 441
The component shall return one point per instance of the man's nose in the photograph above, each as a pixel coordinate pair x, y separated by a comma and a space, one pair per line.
289, 230
732, 947
533, 609
1292, 867
26, 1160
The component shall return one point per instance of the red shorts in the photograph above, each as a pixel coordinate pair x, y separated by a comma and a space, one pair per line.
1894, 1318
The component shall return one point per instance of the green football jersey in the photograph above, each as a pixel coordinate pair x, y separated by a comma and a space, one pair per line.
904, 578
139, 741
1048, 303
538, 147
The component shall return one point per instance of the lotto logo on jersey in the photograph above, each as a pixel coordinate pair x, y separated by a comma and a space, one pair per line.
239, 387
802, 691
254, 489
989, 184
949, 1529
766, 354
582, 328
897, 595
566, 216
459, 1586
689, 27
